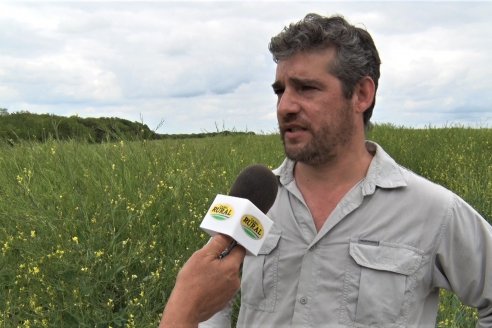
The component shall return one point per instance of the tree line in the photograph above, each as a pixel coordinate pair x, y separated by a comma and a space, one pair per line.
41, 127
22, 126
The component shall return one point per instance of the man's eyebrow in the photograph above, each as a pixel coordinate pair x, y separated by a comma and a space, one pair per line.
301, 81
297, 82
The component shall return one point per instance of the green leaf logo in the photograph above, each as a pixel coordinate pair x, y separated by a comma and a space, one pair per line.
252, 227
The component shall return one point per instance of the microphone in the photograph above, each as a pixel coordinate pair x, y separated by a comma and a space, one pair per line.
258, 184
242, 214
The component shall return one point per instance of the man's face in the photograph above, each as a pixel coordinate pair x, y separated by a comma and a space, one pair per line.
315, 120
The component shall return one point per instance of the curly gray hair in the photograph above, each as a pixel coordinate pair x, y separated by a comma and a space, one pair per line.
356, 54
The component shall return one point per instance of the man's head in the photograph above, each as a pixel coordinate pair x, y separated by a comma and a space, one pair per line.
356, 54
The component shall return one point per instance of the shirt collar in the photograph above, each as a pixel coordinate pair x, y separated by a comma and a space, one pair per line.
383, 171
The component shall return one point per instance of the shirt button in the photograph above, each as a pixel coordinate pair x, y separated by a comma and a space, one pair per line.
303, 300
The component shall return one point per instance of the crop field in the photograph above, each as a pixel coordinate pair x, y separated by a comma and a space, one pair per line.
93, 235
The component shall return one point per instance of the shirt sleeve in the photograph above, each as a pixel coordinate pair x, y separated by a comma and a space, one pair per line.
463, 261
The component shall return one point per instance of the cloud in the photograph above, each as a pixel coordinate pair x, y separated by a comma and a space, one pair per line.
436, 71
199, 64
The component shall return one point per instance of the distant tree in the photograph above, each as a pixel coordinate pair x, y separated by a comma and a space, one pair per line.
4, 111
41, 127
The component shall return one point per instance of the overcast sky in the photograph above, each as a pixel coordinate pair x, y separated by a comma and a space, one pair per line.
201, 66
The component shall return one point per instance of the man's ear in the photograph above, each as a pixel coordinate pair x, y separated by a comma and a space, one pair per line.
363, 95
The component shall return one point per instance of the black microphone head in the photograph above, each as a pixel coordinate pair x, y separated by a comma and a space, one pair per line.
258, 184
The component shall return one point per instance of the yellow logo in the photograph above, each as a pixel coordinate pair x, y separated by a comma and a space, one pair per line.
252, 226
221, 212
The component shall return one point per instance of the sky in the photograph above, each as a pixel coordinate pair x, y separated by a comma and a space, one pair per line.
202, 66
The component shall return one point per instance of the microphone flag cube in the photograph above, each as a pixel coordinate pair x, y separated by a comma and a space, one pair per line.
238, 218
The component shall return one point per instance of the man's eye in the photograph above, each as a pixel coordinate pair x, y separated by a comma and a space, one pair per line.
307, 88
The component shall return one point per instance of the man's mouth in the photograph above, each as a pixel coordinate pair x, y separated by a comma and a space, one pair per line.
295, 129
294, 133
292, 128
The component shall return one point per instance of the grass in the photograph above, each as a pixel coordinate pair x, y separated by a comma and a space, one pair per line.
93, 235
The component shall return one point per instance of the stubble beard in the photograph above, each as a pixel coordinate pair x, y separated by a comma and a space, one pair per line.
325, 142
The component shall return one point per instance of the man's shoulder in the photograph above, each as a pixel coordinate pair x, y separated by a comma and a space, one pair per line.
413, 182
424, 186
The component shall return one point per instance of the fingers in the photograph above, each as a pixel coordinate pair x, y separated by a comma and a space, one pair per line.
218, 243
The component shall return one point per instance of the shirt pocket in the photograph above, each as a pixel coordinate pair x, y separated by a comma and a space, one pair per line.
260, 276
378, 288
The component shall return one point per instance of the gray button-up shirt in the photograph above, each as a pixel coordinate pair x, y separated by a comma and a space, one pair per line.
378, 261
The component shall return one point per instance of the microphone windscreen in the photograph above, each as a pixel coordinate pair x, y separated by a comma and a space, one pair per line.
258, 184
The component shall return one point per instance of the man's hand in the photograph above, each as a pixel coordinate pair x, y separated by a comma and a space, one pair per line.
204, 284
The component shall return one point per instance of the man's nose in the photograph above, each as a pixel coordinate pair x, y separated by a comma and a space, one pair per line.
287, 103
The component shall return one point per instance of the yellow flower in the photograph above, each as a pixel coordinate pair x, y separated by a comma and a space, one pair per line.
75, 239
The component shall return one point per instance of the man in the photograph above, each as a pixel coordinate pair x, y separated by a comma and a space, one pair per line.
358, 241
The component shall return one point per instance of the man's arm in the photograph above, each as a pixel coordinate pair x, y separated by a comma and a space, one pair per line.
204, 285
464, 260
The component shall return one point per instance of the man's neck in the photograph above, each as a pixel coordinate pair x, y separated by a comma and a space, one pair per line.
323, 186
349, 166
